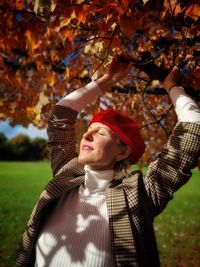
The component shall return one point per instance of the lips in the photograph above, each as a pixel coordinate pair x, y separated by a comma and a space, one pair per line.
86, 147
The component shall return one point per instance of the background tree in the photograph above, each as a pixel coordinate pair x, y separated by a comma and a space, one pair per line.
50, 47
21, 147
39, 150
3, 141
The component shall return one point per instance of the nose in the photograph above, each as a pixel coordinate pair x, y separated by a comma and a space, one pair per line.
88, 135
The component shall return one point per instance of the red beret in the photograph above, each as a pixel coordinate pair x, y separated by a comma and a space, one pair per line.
126, 128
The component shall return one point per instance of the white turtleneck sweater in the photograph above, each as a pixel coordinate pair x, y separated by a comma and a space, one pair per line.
77, 231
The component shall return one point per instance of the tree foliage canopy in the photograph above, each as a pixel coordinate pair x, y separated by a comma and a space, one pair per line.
50, 47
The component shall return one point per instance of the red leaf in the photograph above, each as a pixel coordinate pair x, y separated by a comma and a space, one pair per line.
128, 25
125, 3
106, 8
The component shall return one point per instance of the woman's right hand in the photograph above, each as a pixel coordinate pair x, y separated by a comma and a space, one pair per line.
117, 69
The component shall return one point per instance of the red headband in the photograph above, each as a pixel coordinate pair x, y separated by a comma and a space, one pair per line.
127, 130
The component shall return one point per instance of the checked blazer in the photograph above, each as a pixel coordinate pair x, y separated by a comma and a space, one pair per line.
133, 200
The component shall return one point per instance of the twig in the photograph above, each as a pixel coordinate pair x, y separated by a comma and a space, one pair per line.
156, 120
170, 6
98, 37
139, 78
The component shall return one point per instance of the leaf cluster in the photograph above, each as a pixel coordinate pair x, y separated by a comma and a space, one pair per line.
49, 48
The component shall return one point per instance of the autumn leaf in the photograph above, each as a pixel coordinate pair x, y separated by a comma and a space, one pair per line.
53, 55
43, 100
125, 3
1, 101
67, 73
109, 7
67, 35
19, 4
49, 78
31, 113
128, 25
193, 11
30, 42
81, 14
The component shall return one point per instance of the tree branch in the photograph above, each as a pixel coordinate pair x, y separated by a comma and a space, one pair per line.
158, 120
132, 89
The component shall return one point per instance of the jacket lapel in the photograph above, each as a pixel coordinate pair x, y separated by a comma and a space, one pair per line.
122, 238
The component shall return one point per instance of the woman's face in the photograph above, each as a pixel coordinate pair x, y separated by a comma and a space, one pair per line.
100, 147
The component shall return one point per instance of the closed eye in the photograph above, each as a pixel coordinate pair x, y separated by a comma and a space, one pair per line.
100, 133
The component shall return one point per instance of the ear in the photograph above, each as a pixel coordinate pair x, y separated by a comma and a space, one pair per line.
123, 154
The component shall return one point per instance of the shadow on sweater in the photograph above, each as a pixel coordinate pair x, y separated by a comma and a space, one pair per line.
76, 231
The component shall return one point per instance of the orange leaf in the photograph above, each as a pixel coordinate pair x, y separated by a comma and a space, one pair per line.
53, 55
107, 7
116, 42
128, 25
50, 78
67, 73
193, 11
31, 113
30, 41
81, 14
171, 5
67, 34
19, 4
1, 101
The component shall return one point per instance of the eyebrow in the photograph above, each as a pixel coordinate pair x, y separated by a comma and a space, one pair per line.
112, 133
98, 127
102, 127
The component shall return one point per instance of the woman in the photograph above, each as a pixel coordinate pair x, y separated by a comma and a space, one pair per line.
92, 213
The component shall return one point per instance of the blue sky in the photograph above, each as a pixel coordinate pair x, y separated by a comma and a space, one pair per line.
31, 131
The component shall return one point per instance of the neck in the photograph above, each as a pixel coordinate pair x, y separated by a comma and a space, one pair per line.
97, 179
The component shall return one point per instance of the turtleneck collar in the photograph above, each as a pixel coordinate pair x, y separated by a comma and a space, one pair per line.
97, 180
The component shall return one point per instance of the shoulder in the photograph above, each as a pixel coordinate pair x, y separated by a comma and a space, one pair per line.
133, 178
71, 169
191, 127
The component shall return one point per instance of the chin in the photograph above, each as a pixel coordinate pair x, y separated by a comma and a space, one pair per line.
83, 161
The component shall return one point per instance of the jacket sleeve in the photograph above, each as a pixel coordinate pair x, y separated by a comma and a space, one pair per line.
62, 138
173, 167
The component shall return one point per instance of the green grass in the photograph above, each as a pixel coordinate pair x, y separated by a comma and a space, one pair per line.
177, 228
21, 184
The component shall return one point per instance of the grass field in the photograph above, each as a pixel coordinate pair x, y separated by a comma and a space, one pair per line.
177, 228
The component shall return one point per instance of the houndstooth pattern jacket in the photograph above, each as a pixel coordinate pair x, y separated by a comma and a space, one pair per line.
132, 201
